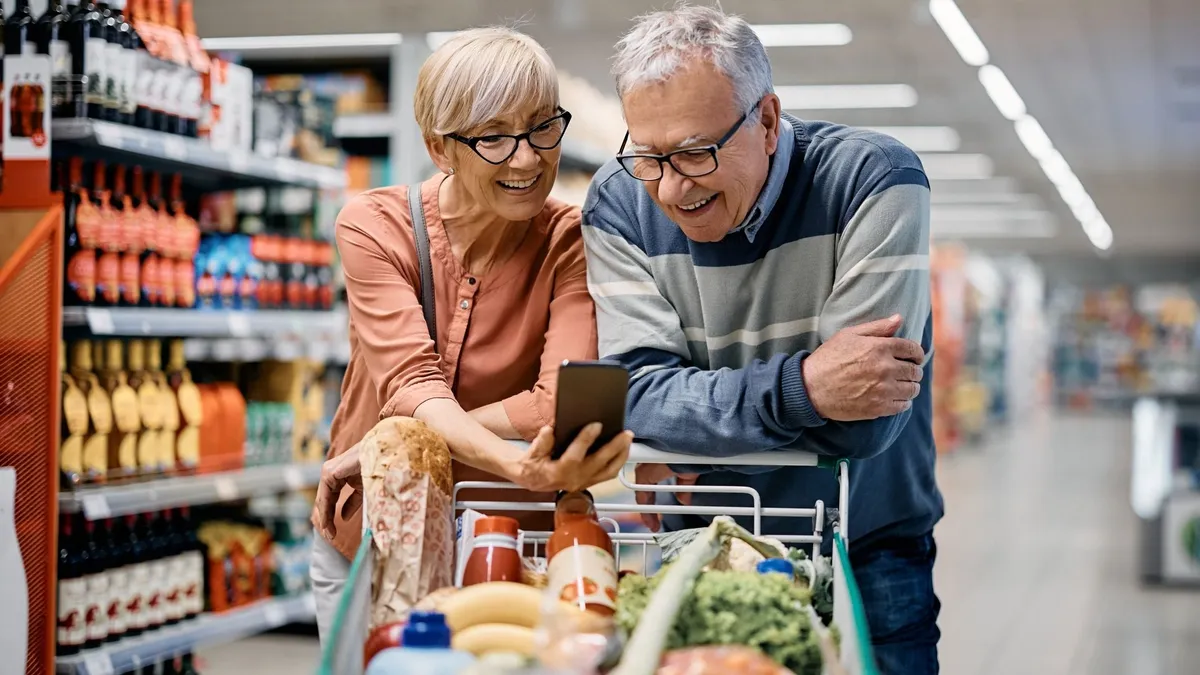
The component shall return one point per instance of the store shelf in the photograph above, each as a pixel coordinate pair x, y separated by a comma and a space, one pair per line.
106, 501
155, 322
196, 160
206, 630
576, 155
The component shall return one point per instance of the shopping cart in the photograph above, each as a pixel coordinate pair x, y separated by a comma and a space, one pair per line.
343, 654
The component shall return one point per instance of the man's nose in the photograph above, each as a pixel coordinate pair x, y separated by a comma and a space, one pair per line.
673, 187
526, 157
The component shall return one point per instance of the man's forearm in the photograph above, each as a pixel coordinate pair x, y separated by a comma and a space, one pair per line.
470, 441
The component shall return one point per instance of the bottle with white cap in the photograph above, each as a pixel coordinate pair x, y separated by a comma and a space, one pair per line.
424, 650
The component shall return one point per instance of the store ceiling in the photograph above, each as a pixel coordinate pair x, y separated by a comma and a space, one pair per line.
1115, 84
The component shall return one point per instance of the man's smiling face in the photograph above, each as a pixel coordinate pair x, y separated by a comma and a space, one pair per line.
695, 107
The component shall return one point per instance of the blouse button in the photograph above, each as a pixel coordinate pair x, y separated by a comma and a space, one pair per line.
471, 280
464, 304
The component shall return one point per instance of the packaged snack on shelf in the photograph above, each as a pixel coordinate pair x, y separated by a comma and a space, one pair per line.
406, 491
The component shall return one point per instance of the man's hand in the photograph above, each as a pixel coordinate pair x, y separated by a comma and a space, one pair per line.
655, 474
863, 373
337, 473
538, 471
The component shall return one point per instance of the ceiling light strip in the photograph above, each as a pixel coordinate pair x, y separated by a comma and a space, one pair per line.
1010, 104
803, 34
924, 138
845, 96
262, 42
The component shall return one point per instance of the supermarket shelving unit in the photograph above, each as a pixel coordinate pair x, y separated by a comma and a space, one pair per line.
206, 630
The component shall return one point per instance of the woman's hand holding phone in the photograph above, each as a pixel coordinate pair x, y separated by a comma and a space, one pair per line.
575, 469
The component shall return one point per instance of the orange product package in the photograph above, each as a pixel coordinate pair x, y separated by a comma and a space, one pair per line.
406, 492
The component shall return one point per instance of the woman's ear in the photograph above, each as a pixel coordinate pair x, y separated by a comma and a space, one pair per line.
439, 152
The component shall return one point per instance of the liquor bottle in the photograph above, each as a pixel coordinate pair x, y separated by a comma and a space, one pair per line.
100, 412
176, 53
141, 35
124, 59
145, 221
87, 34
168, 404
130, 234
193, 556
122, 443
18, 39
73, 567
118, 583
112, 61
159, 581
187, 395
134, 557
187, 242
109, 243
74, 426
79, 237
166, 243
97, 587
173, 551
199, 66
186, 665
149, 452
50, 36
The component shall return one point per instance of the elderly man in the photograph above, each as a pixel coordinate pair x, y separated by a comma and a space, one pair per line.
765, 279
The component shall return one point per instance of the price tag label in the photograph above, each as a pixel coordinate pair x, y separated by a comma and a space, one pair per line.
100, 321
238, 162
293, 477
98, 664
239, 325
95, 507
108, 135
175, 148
227, 489
275, 615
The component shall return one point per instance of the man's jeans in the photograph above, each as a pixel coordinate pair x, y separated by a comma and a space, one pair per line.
896, 582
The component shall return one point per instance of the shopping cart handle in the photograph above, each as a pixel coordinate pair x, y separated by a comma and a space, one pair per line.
644, 454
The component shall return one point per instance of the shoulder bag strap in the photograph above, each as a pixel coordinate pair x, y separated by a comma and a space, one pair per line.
421, 234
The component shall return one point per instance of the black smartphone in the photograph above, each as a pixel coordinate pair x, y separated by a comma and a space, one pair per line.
589, 391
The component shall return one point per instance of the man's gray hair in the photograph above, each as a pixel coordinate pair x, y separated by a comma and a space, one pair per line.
661, 42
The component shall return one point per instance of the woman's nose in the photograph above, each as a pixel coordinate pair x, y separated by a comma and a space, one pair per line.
526, 157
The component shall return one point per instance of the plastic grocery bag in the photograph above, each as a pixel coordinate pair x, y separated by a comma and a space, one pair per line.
406, 486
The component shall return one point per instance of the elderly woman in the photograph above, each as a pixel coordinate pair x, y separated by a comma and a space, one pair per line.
509, 285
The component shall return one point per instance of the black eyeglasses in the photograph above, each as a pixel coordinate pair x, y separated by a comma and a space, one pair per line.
498, 148
690, 162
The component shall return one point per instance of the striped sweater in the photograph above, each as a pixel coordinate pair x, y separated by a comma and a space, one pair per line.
714, 334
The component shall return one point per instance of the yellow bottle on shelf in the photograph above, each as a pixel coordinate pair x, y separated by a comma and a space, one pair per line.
100, 413
168, 406
187, 397
127, 420
74, 427
149, 450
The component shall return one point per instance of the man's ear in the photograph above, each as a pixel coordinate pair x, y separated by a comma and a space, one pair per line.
770, 117
439, 152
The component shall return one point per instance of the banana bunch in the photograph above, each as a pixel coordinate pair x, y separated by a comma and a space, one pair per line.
498, 616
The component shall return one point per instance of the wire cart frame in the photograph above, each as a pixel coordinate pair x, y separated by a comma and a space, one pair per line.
343, 652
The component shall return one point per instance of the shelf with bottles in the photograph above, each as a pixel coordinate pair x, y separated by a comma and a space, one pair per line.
134, 436
145, 588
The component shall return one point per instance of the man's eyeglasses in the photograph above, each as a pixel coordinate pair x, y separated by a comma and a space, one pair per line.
690, 162
498, 148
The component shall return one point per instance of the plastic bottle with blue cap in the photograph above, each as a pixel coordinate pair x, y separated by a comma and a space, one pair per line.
424, 650
777, 566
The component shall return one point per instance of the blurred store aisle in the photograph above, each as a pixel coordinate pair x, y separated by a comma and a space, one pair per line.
1037, 569
1037, 566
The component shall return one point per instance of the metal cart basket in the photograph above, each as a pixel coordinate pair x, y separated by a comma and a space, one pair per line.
343, 653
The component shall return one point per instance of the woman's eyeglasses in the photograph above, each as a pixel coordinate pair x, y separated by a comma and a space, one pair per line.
498, 148
690, 162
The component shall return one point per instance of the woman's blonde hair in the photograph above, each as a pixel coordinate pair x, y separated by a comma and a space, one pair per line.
480, 75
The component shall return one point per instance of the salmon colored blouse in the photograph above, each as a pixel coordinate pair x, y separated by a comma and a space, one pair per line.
500, 337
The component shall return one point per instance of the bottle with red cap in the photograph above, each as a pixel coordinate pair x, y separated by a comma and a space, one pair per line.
494, 556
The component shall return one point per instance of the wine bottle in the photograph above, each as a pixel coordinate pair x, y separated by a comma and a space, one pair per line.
109, 243
125, 64
134, 555
166, 242
79, 237
127, 422
141, 35
118, 584
159, 582
186, 665
130, 235
169, 405
193, 565
95, 445
73, 568
112, 61
87, 33
149, 453
187, 242
199, 65
18, 39
97, 588
176, 568
74, 425
146, 219
187, 395
50, 36
180, 71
